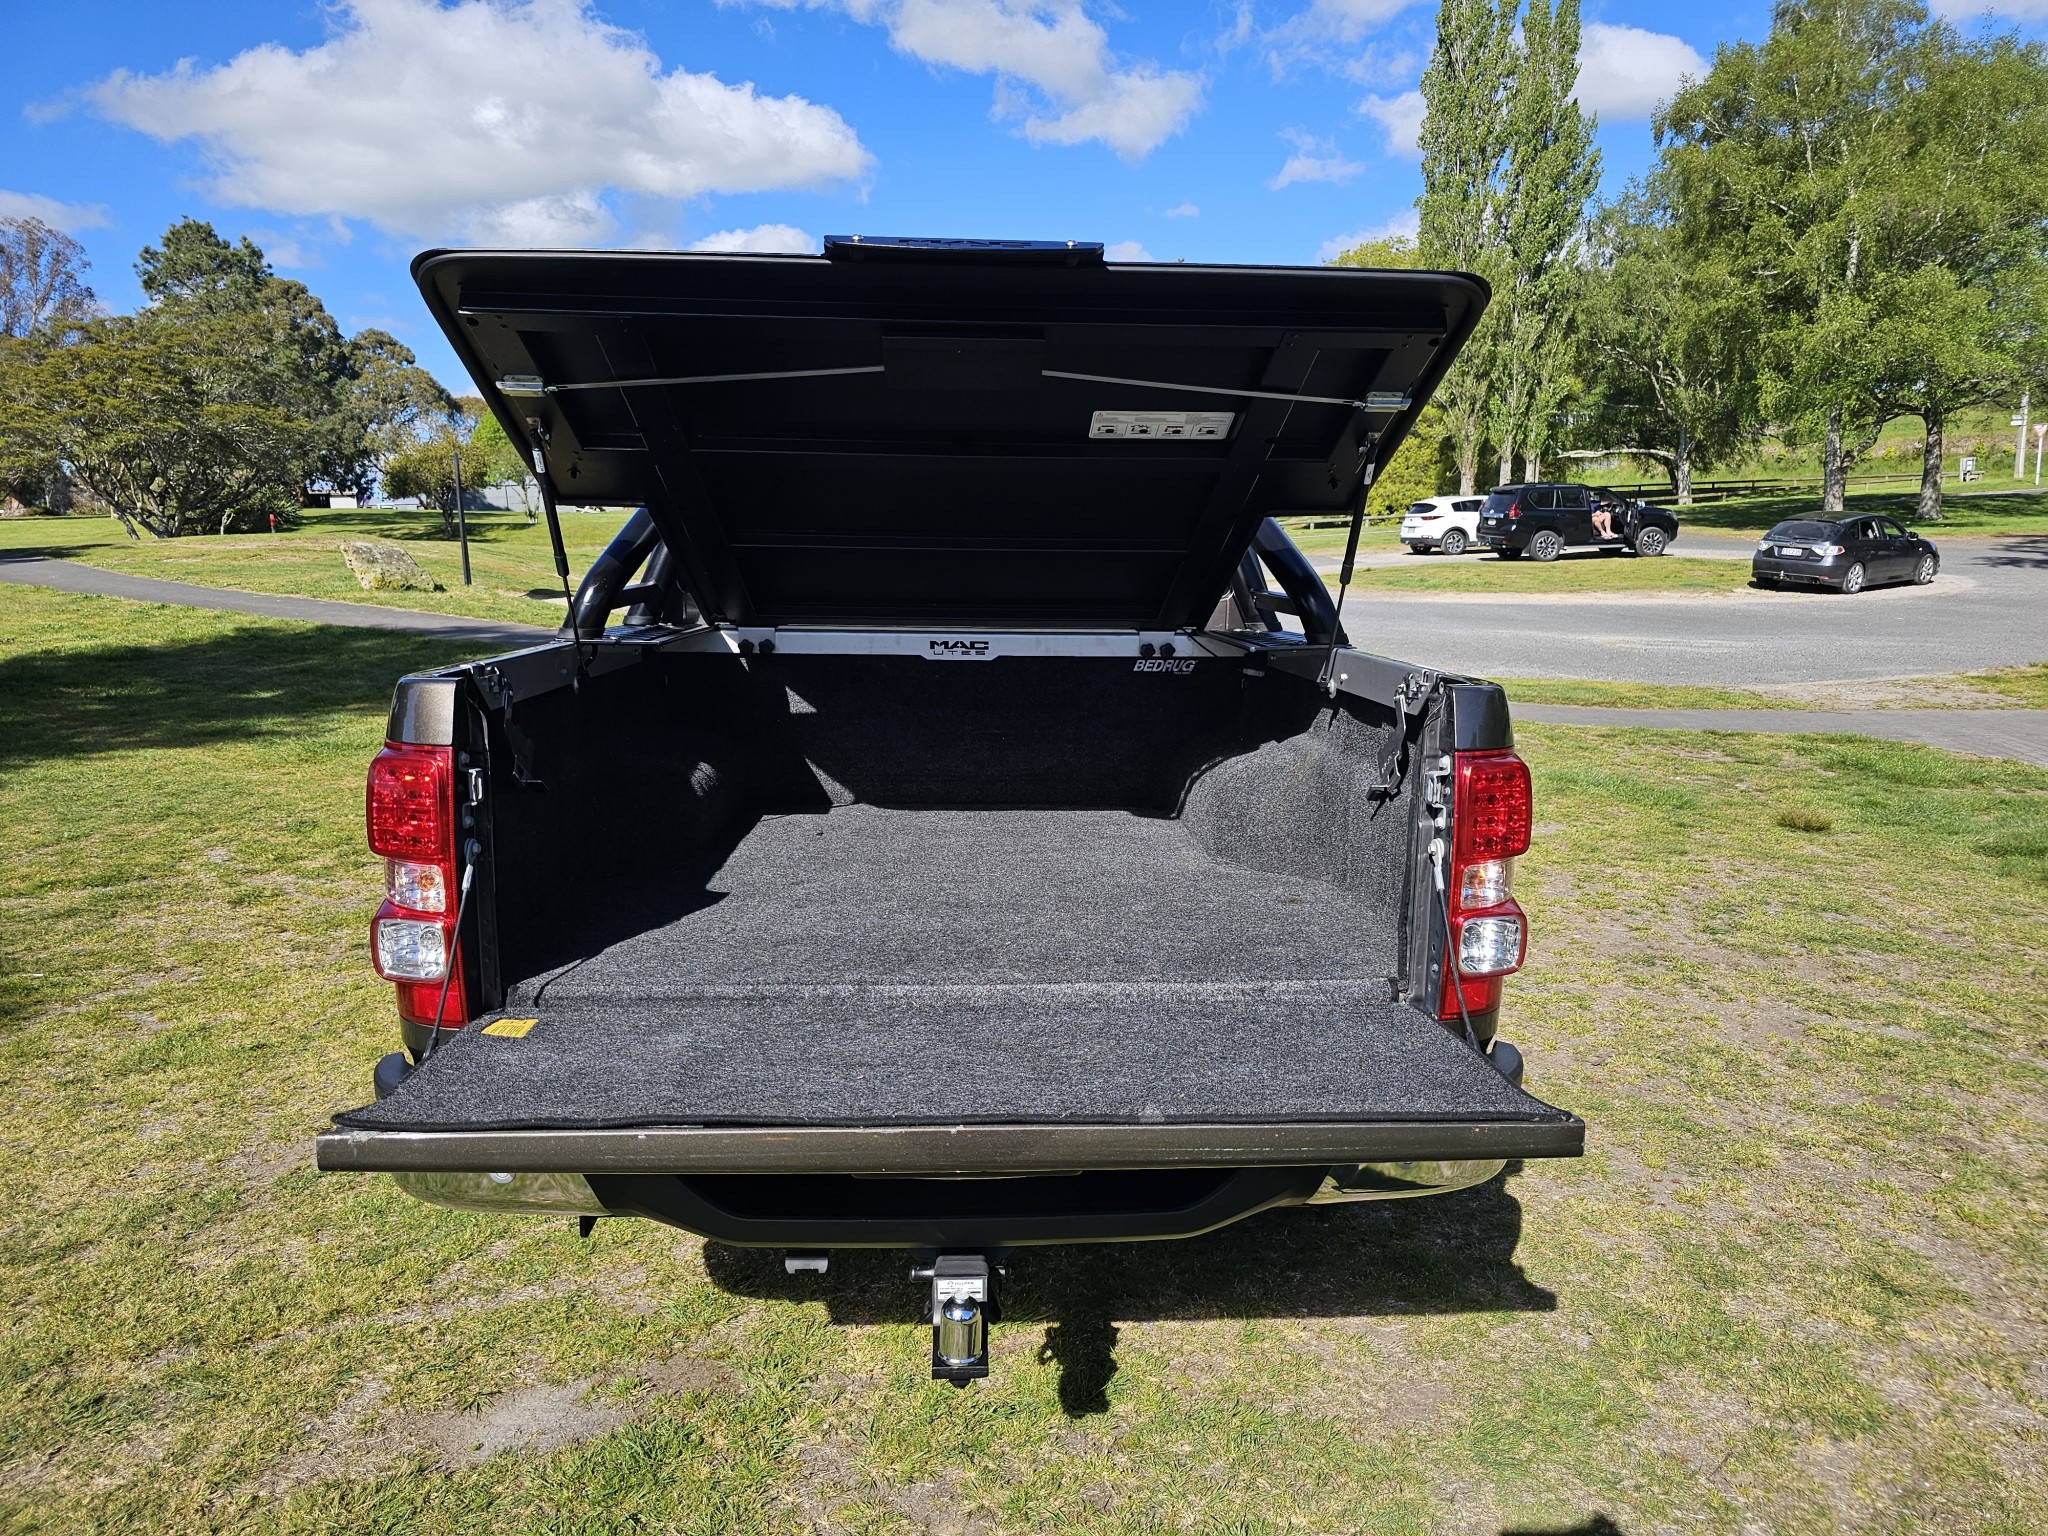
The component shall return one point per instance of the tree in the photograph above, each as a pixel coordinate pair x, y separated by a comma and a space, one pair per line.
504, 461
1788, 159
42, 280
1550, 174
1464, 142
169, 419
1389, 252
1965, 312
425, 469
1668, 341
308, 368
394, 401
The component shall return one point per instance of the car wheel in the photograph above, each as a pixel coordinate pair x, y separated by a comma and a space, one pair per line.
1453, 542
1650, 541
1852, 579
1923, 573
1545, 547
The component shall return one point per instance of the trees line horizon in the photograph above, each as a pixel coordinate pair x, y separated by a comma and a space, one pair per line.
1843, 228
1846, 225
225, 403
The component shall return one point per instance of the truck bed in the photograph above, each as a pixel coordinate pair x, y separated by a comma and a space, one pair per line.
877, 966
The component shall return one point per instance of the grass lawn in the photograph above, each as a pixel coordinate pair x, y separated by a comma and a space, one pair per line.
510, 562
1573, 572
2005, 688
1798, 1285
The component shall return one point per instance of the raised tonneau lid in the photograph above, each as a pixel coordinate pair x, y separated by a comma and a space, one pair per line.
951, 432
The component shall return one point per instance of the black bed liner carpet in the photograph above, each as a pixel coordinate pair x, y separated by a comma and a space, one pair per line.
899, 967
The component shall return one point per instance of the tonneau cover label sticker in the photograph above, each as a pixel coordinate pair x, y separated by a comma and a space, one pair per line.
1177, 665
959, 650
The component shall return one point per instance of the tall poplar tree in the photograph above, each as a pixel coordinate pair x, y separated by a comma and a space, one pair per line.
1464, 143
1551, 172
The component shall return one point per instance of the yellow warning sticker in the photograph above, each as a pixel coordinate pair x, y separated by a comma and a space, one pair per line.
511, 1029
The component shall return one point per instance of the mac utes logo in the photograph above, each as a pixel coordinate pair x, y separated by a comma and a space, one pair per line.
959, 650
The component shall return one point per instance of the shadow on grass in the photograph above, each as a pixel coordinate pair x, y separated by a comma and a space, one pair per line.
1599, 1525
255, 679
1445, 1254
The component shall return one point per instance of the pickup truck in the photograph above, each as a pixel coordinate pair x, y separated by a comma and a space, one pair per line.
951, 818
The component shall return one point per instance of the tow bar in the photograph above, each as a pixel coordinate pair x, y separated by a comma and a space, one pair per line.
962, 1299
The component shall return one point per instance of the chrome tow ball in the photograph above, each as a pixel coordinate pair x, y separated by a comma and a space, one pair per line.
963, 1291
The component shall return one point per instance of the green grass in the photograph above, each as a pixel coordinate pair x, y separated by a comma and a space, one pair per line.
1544, 690
1574, 572
1798, 1284
511, 564
2004, 688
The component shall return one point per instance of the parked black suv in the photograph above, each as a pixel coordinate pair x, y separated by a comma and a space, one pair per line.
1543, 520
1847, 554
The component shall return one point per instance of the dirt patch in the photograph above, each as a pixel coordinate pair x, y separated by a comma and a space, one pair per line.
833, 1492
359, 1440
1941, 692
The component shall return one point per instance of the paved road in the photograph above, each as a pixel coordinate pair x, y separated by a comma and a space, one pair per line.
1989, 608
69, 576
2015, 733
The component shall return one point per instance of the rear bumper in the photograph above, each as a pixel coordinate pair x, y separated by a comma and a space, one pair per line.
935, 1149
1808, 573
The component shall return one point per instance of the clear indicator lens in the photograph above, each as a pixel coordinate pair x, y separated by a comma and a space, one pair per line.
1484, 884
416, 887
1488, 946
411, 951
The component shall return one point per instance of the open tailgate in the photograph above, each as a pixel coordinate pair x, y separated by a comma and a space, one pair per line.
601, 1091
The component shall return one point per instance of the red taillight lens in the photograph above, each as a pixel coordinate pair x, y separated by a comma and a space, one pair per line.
1493, 804
1492, 809
409, 807
1514, 509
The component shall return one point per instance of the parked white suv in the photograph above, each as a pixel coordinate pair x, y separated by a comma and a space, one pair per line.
1448, 523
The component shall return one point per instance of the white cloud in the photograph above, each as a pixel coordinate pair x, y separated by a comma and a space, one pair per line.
1184, 211
1402, 226
1053, 65
1624, 72
69, 217
1312, 33
762, 237
499, 121
1313, 160
1401, 116
1127, 250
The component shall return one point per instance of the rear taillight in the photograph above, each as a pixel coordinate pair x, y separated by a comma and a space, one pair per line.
410, 808
1514, 509
1492, 809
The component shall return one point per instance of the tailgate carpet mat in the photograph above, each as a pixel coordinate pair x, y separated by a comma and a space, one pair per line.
875, 966
1099, 1053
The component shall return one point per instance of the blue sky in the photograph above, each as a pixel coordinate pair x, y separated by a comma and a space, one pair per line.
346, 137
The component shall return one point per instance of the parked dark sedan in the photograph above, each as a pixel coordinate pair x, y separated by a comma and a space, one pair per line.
1847, 554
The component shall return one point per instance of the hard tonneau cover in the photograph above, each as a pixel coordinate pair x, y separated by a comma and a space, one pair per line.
961, 433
